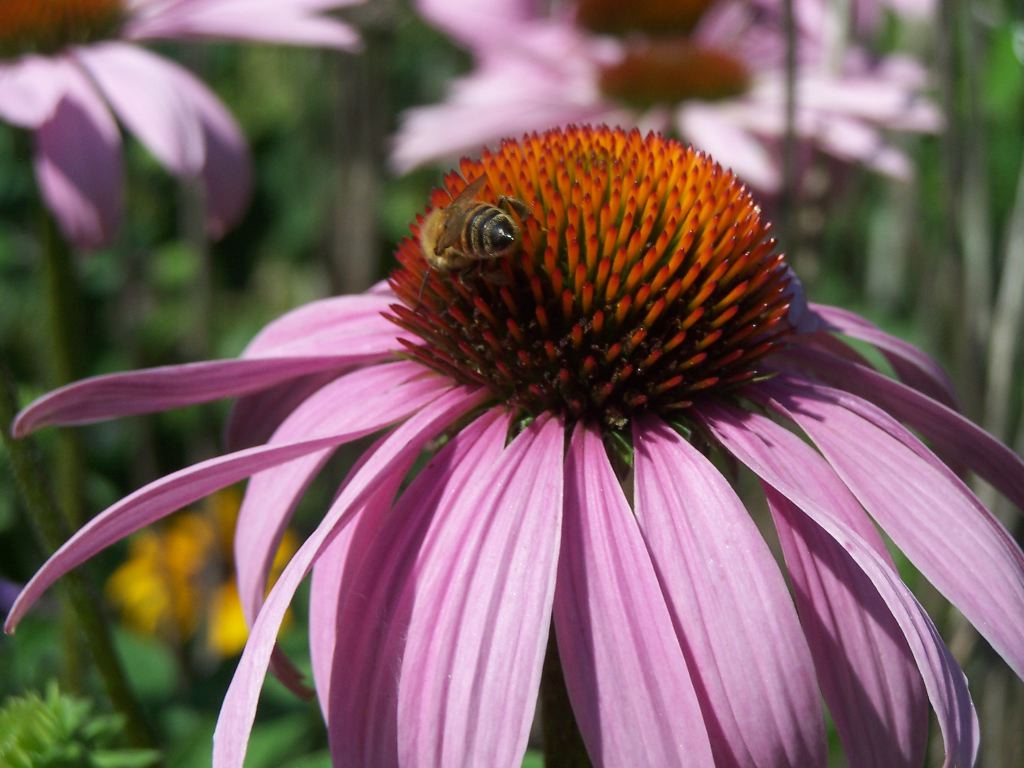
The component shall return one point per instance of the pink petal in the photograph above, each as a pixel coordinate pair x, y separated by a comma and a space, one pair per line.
272, 21
31, 87
316, 421
171, 386
787, 464
957, 439
325, 325
472, 21
732, 611
254, 418
367, 399
145, 91
226, 172
731, 145
866, 671
362, 594
480, 614
627, 678
78, 164
929, 513
373, 484
912, 365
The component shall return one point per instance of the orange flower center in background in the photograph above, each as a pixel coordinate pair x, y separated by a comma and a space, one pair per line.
45, 26
654, 17
671, 71
644, 278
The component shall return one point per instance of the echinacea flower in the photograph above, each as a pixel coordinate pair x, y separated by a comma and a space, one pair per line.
578, 401
713, 71
65, 63
179, 580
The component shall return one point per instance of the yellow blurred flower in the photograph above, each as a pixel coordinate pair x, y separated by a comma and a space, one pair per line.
178, 580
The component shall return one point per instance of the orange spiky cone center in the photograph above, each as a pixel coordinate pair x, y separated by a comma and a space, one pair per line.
44, 26
646, 280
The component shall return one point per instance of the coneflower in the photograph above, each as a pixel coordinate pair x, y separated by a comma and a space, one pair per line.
62, 62
586, 403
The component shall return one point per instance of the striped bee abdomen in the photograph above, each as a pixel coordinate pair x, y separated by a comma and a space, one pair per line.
489, 232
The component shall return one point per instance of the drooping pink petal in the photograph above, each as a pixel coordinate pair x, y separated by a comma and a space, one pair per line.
370, 398
171, 386
226, 173
327, 325
732, 611
482, 609
866, 671
254, 418
272, 21
78, 164
362, 595
626, 675
374, 483
316, 421
31, 87
145, 91
957, 439
912, 365
783, 461
930, 514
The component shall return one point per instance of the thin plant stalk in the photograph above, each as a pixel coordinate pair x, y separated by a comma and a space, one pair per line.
563, 744
790, 180
48, 524
63, 305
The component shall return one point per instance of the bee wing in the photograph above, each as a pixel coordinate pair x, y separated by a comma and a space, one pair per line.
451, 231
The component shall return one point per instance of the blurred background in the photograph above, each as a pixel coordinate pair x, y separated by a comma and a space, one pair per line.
936, 257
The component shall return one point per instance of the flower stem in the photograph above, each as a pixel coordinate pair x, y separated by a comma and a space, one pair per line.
563, 745
49, 527
62, 309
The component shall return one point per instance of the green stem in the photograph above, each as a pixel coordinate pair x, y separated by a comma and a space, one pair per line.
62, 309
563, 745
48, 524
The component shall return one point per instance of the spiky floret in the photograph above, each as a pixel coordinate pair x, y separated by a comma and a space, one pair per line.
647, 279
44, 26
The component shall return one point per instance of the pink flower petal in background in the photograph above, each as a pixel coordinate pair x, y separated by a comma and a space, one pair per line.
374, 483
145, 90
78, 163
711, 130
628, 681
480, 616
31, 88
732, 612
294, 22
779, 458
362, 594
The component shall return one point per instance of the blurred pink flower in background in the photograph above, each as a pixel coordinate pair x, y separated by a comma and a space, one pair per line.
721, 85
646, 327
63, 65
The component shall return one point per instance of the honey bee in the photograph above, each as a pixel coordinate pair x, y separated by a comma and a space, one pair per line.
469, 231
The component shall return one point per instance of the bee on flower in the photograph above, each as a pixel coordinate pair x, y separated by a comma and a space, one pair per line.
547, 460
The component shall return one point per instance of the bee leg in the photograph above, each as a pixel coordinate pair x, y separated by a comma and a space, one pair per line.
514, 205
423, 285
